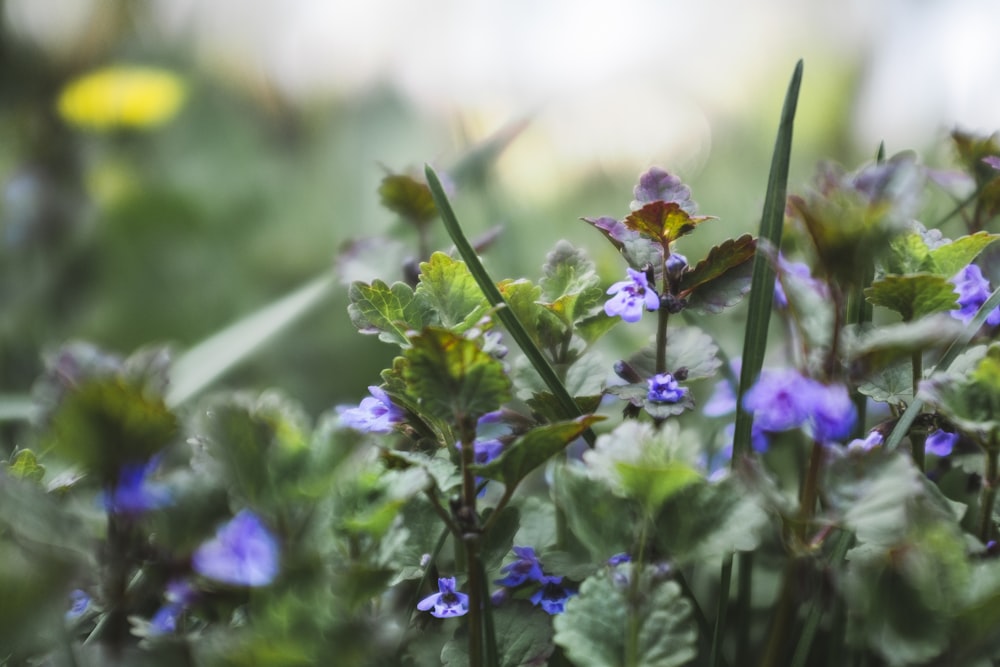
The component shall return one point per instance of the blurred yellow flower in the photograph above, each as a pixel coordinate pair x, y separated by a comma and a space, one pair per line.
122, 96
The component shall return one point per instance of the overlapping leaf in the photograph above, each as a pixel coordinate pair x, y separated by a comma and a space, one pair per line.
449, 291
913, 295
663, 221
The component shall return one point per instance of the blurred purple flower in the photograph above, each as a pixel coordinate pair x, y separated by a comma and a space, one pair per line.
525, 568
552, 595
870, 442
447, 602
242, 553
940, 443
783, 399
795, 271
618, 559
663, 388
135, 494
79, 602
723, 400
993, 161
973, 289
631, 297
657, 184
375, 414
676, 263
164, 621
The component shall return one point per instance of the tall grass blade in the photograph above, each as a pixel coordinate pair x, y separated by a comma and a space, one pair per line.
197, 368
758, 318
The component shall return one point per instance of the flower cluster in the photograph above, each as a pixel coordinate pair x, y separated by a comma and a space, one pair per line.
783, 399
551, 594
663, 388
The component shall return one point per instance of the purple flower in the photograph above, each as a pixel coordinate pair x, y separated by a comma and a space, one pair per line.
164, 621
242, 553
940, 443
525, 568
723, 400
552, 595
631, 297
871, 441
618, 559
993, 161
660, 185
447, 602
487, 450
796, 271
779, 400
663, 388
375, 414
135, 494
785, 399
832, 413
973, 289
676, 263
79, 602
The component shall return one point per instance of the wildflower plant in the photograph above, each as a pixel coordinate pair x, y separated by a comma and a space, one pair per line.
510, 493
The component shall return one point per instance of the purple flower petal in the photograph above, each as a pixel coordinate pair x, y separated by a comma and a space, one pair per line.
663, 388
375, 414
447, 602
940, 443
242, 553
552, 595
135, 494
525, 568
631, 297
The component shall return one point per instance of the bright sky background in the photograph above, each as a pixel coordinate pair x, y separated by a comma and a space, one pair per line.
604, 79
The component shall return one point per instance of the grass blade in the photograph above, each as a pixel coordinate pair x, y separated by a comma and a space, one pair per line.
201, 365
15, 407
568, 406
758, 319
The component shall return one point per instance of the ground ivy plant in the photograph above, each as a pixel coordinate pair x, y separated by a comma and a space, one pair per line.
510, 494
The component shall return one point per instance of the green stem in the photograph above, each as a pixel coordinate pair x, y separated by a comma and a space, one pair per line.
662, 317
918, 440
567, 404
744, 590
810, 491
776, 646
470, 538
989, 495
715, 653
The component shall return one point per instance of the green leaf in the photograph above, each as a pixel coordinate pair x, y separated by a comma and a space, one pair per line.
570, 284
950, 258
201, 365
449, 291
25, 465
445, 474
523, 635
663, 221
877, 348
892, 384
908, 253
533, 449
645, 464
391, 312
971, 402
603, 522
602, 620
522, 298
592, 328
722, 278
106, 423
451, 377
913, 296
496, 543
709, 521
687, 347
407, 197
568, 407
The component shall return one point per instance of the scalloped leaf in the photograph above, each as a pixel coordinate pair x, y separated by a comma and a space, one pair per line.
448, 290
892, 384
603, 522
878, 348
24, 465
949, 259
533, 449
523, 635
913, 296
599, 621
971, 402
663, 221
450, 377
567, 270
907, 253
407, 197
390, 312
687, 347
720, 260
521, 297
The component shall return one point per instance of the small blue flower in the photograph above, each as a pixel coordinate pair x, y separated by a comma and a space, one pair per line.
723, 399
676, 263
785, 399
552, 595
525, 568
135, 494
940, 443
447, 602
631, 297
870, 442
375, 414
79, 602
618, 559
663, 388
242, 553
832, 414
164, 621
973, 289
